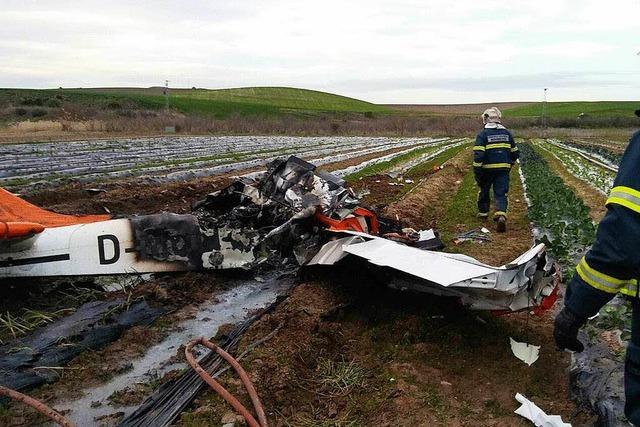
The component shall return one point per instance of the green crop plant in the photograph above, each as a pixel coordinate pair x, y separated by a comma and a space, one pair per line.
600, 150
595, 175
562, 220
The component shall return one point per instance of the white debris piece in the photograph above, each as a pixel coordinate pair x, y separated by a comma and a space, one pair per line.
537, 416
519, 285
526, 352
426, 235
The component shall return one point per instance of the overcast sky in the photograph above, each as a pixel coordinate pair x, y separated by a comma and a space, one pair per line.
400, 51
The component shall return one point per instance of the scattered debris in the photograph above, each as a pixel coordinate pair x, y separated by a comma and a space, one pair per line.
94, 191
537, 416
596, 375
423, 239
479, 235
526, 352
525, 282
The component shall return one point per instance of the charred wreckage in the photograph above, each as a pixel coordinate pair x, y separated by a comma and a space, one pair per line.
290, 213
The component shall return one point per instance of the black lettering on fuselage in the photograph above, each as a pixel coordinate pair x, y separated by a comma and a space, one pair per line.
101, 249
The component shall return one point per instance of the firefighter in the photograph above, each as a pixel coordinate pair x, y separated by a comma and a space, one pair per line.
611, 266
494, 153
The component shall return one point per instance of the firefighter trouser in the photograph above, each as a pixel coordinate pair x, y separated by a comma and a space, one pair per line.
632, 369
499, 180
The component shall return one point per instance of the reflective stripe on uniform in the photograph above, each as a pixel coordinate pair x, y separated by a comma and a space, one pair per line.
625, 196
603, 281
630, 289
478, 148
496, 166
514, 149
495, 146
500, 213
477, 164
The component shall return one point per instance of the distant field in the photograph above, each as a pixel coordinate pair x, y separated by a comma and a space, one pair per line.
454, 109
525, 109
573, 109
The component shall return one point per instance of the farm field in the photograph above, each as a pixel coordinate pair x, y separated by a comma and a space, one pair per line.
345, 352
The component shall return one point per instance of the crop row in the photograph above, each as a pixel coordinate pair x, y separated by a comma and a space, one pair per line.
30, 159
175, 158
561, 219
592, 173
599, 152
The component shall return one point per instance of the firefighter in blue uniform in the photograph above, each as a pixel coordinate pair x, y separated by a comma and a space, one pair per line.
494, 153
611, 266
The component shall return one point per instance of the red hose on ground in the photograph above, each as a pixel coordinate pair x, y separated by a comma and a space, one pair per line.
37, 405
246, 381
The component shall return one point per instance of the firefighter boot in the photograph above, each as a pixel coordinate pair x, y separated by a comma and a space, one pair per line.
502, 224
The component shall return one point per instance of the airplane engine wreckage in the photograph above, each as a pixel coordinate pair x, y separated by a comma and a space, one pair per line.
290, 213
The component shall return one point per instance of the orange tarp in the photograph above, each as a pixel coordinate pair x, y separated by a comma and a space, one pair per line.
14, 209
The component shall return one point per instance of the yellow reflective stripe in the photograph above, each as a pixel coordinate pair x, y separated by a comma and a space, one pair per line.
500, 213
603, 281
630, 290
496, 166
478, 148
514, 149
477, 164
625, 196
501, 145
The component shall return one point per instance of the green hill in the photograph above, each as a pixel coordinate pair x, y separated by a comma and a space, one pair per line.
279, 97
219, 103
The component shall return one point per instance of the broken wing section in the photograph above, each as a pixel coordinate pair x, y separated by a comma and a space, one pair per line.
524, 283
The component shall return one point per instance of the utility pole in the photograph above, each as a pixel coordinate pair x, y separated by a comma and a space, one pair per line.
544, 109
166, 94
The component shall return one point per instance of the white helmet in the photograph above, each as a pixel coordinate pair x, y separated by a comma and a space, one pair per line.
491, 115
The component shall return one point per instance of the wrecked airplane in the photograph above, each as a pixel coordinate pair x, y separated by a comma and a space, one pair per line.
290, 213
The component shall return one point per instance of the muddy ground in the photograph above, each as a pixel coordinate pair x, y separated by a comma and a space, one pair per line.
351, 352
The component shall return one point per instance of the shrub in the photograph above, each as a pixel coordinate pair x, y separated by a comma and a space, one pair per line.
20, 111
38, 112
53, 103
32, 101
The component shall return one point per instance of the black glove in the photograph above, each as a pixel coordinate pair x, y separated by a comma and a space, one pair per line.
565, 331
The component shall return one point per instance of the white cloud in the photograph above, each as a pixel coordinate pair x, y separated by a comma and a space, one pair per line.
385, 51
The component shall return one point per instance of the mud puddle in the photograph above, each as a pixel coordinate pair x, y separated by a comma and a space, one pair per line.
231, 306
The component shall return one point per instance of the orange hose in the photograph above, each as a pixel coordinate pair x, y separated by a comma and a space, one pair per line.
246, 381
37, 405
